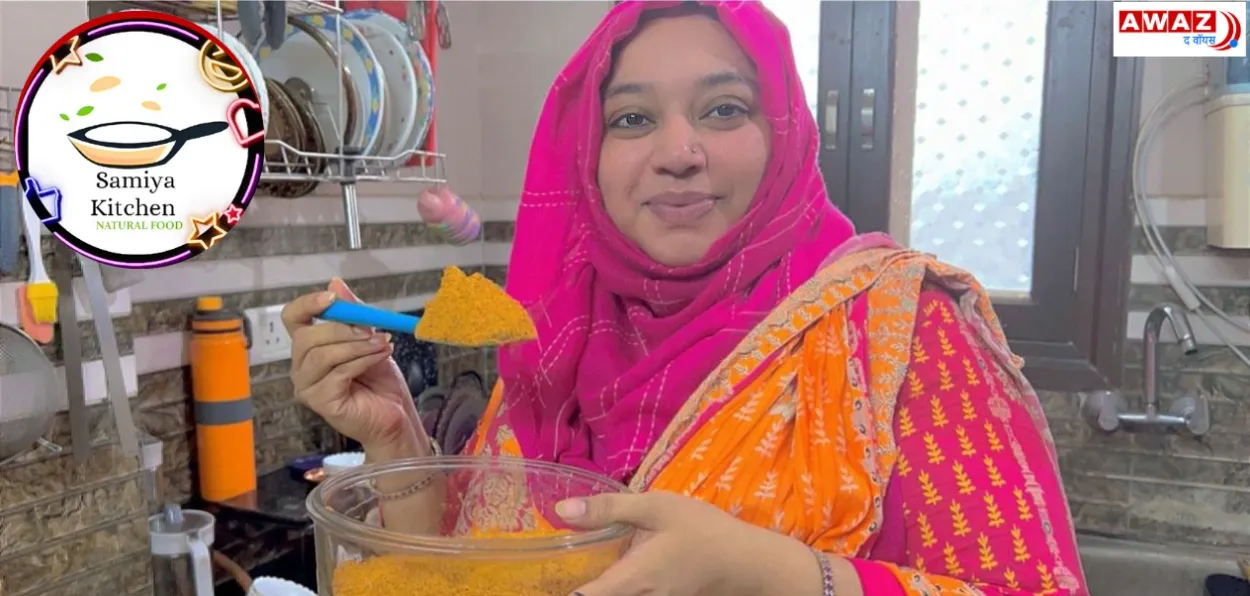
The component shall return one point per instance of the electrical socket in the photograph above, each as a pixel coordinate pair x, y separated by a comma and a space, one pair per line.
270, 341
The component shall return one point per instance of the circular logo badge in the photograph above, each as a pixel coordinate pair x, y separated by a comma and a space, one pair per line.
139, 139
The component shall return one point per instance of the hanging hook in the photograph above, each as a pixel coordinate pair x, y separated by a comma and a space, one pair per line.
444, 26
416, 20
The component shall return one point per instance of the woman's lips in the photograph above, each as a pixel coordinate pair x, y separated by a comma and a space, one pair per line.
680, 209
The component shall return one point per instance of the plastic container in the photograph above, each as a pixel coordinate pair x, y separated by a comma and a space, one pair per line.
342, 462
483, 527
272, 586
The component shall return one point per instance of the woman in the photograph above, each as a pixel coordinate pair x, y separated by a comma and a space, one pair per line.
802, 410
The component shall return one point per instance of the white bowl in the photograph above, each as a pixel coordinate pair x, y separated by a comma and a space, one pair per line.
272, 586
342, 462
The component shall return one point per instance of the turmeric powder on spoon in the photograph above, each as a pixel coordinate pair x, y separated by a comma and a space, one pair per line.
470, 310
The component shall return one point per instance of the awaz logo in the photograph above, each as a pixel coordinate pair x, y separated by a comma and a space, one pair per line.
1200, 25
1233, 37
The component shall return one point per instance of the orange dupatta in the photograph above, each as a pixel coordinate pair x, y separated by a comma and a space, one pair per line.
761, 437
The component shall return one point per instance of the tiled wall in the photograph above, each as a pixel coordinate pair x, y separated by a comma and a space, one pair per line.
69, 530
1153, 486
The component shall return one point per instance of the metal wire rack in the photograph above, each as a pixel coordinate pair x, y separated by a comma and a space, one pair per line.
197, 10
296, 166
291, 164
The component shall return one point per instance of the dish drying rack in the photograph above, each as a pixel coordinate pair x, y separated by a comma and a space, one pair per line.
346, 167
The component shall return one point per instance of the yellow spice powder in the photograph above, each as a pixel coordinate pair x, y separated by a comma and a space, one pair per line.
401, 575
470, 310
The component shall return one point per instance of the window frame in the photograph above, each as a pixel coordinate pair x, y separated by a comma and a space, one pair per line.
1071, 331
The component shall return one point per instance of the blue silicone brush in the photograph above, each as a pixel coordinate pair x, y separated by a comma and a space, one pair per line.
363, 315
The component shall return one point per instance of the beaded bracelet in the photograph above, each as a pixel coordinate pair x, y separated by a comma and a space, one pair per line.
413, 489
826, 573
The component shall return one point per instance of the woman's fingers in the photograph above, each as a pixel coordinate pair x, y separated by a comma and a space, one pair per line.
306, 338
301, 313
340, 289
336, 381
327, 350
647, 511
303, 310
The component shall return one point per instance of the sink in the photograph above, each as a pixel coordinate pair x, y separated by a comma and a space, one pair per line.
1125, 568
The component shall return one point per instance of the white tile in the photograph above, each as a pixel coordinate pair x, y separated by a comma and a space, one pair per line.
95, 389
458, 103
1183, 211
1175, 166
198, 278
515, 87
543, 25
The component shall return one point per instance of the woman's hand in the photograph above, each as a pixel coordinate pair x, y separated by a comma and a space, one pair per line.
685, 547
345, 374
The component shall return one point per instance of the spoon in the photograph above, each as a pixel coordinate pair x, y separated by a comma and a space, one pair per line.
363, 315
489, 318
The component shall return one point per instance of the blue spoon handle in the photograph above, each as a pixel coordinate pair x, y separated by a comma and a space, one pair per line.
352, 313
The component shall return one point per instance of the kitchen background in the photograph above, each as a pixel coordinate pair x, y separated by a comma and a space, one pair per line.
71, 530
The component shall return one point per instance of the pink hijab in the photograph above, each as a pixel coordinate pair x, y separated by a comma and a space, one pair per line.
622, 340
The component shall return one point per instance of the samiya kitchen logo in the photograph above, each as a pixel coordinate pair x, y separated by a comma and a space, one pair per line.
139, 139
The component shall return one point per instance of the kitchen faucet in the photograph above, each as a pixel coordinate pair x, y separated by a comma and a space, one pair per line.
1150, 347
1107, 410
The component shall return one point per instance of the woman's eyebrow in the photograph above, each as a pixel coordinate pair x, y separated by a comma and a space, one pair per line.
728, 77
625, 89
709, 81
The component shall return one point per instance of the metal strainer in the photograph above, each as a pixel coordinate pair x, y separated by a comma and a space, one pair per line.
29, 395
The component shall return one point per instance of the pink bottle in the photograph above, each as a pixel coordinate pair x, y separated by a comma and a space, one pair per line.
449, 215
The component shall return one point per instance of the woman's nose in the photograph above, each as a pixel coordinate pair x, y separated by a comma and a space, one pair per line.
679, 152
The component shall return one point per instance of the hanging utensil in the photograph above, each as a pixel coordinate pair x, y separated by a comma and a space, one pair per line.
71, 347
416, 20
114, 380
36, 300
444, 26
275, 23
252, 23
29, 395
10, 228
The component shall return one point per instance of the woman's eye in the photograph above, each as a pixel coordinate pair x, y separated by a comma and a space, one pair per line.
727, 110
630, 120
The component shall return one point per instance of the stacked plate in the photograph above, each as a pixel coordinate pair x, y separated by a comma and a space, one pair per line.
360, 82
388, 86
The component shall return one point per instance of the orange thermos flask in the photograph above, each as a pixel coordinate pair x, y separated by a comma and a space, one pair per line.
222, 389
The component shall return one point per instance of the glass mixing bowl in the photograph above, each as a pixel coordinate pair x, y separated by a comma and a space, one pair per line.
481, 527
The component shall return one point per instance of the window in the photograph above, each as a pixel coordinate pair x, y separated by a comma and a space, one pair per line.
997, 136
